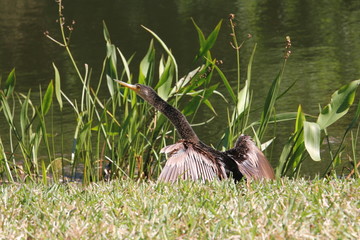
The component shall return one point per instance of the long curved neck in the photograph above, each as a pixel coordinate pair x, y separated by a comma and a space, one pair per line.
177, 118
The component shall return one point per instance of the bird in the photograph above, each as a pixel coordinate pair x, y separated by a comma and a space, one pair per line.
191, 159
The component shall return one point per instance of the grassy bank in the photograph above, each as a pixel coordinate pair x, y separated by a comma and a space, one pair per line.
291, 209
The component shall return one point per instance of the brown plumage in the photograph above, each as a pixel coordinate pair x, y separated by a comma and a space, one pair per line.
191, 159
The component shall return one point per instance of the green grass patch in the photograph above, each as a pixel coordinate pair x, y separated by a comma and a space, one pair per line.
283, 209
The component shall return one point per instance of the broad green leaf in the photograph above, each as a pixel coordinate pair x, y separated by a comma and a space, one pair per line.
293, 149
111, 60
58, 87
211, 39
106, 32
10, 83
243, 99
312, 139
166, 78
24, 119
299, 147
146, 68
191, 107
206, 45
110, 54
47, 99
165, 72
110, 84
339, 105
300, 119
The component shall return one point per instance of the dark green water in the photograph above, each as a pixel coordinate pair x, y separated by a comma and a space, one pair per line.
325, 44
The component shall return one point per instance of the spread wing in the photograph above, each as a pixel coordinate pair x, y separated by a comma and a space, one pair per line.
255, 165
251, 162
186, 162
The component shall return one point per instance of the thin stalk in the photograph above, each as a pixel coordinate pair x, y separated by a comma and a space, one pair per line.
65, 41
62, 147
236, 46
353, 145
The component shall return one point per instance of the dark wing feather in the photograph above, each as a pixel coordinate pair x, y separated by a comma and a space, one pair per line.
251, 162
255, 165
185, 162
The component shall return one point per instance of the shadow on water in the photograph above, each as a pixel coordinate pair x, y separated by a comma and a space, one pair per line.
326, 49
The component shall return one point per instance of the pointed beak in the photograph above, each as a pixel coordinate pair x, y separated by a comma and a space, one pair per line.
131, 86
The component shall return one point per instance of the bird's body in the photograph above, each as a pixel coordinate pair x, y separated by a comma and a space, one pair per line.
191, 159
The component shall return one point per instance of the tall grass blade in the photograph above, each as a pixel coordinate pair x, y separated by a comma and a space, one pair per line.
201, 36
269, 104
24, 119
168, 51
6, 109
294, 148
4, 164
126, 65
58, 87
244, 93
226, 83
47, 100
10, 83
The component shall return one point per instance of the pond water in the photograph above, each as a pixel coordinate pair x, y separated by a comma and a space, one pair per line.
325, 47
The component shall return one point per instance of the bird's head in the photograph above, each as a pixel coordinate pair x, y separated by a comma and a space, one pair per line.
145, 92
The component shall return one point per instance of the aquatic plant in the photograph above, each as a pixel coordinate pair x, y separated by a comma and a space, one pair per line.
120, 138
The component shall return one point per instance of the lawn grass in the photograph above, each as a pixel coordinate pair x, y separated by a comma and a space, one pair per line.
283, 209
